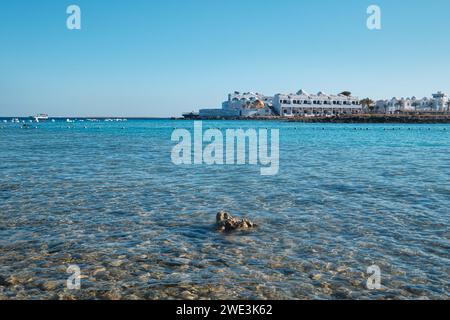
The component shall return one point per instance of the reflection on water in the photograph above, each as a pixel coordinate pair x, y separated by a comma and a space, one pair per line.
106, 197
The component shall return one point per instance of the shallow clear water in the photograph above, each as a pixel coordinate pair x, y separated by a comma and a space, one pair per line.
108, 198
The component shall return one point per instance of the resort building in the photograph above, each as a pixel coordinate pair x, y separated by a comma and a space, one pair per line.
321, 104
438, 103
250, 104
303, 104
244, 105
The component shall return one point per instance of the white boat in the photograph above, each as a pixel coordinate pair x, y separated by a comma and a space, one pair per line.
40, 117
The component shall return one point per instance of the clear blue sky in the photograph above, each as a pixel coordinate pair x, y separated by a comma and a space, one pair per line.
160, 58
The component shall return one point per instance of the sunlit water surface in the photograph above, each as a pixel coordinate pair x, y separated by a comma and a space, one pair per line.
106, 197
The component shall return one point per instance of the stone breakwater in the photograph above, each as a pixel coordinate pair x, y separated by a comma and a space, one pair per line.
377, 118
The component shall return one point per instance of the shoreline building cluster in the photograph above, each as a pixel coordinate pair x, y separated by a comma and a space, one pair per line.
303, 104
250, 104
243, 105
439, 102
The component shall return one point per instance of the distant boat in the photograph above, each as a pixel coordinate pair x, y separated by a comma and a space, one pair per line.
40, 117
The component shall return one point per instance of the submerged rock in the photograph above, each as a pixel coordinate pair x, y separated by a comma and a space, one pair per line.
316, 276
49, 285
227, 223
187, 295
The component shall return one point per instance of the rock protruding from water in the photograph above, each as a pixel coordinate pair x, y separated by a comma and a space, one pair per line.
227, 223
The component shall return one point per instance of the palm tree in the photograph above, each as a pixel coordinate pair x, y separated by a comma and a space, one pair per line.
368, 103
346, 93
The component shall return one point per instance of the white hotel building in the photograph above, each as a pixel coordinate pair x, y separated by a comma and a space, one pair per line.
244, 105
321, 104
438, 103
286, 105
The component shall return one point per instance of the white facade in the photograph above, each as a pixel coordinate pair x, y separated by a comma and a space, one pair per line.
248, 100
438, 103
252, 104
321, 104
244, 105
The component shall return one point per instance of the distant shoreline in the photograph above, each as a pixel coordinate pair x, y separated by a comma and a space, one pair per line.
380, 118
356, 118
96, 118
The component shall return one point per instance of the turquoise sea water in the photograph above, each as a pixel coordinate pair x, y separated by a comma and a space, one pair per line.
106, 197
